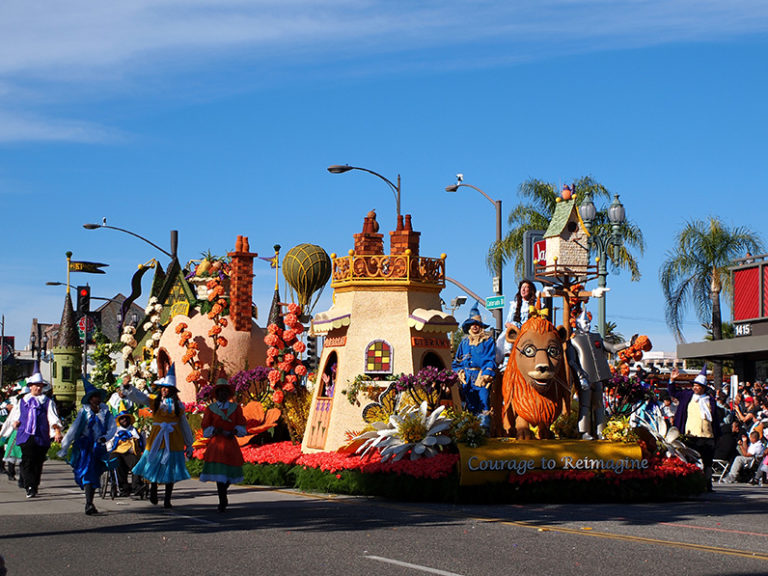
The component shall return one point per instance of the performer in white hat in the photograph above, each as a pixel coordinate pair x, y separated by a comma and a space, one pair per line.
36, 421
163, 460
696, 417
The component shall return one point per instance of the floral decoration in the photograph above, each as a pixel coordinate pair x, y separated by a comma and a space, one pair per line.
413, 429
138, 371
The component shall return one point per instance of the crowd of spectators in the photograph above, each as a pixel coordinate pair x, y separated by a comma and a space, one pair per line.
742, 418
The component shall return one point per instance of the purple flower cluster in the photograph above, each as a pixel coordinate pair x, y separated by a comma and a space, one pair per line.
428, 378
242, 380
205, 393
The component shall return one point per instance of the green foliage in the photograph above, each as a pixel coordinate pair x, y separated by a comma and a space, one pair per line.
361, 384
102, 375
535, 212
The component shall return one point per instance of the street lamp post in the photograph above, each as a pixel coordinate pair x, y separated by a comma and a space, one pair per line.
498, 288
341, 169
174, 237
605, 245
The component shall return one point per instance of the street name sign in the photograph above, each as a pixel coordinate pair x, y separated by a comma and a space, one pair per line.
494, 302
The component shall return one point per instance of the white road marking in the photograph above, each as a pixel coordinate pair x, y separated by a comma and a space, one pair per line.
412, 566
202, 520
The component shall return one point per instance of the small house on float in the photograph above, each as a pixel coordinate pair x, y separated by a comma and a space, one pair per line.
386, 319
182, 295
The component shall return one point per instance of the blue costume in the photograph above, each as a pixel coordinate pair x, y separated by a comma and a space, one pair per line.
88, 437
475, 357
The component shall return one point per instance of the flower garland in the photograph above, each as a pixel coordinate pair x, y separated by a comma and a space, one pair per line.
219, 307
138, 372
283, 352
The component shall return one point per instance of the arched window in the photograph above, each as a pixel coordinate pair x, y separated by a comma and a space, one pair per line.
378, 358
432, 359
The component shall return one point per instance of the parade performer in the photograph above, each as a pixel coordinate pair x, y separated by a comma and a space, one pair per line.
126, 445
36, 421
12, 455
88, 436
163, 460
223, 460
519, 310
696, 417
475, 364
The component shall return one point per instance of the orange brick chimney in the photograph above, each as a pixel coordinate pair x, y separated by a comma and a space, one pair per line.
404, 237
241, 285
369, 242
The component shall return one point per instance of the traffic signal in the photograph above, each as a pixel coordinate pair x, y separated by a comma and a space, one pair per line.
312, 353
83, 300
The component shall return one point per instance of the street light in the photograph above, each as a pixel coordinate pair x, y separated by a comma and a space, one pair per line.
42, 347
174, 237
605, 245
339, 169
498, 287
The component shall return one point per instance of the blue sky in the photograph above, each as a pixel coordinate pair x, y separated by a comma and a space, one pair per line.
219, 119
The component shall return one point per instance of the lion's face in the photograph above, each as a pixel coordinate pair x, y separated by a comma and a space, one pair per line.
539, 357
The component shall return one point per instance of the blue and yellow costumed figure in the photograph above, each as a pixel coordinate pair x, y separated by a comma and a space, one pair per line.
87, 437
475, 364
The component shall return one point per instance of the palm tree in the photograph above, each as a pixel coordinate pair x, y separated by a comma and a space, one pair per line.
696, 271
537, 212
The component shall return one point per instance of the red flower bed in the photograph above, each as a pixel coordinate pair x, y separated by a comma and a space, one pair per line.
439, 466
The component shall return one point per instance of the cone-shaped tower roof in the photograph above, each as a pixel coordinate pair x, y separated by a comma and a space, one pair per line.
68, 337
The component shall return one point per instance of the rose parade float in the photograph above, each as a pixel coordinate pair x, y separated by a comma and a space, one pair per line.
386, 409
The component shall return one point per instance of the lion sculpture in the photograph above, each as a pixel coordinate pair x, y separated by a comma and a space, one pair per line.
535, 390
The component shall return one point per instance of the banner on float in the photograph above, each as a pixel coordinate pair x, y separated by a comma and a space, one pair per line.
495, 460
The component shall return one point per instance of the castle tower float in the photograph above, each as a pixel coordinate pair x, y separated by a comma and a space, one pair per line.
386, 319
67, 360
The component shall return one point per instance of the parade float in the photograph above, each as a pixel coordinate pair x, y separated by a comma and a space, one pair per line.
382, 414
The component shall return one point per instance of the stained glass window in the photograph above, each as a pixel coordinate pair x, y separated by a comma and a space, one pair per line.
378, 358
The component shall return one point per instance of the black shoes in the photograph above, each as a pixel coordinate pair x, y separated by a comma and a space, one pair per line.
31, 492
90, 510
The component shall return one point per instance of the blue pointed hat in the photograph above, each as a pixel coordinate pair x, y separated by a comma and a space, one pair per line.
90, 390
169, 380
474, 318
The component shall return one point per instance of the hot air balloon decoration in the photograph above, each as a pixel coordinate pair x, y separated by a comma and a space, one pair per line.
307, 269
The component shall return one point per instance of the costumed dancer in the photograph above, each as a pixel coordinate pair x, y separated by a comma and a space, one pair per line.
475, 364
88, 436
126, 445
223, 460
36, 421
163, 460
12, 455
696, 417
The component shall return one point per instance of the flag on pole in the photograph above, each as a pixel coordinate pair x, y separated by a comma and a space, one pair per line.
88, 267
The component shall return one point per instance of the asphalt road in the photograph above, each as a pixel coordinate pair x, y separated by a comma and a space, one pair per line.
272, 532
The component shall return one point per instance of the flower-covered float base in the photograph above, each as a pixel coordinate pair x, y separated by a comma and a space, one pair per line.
437, 478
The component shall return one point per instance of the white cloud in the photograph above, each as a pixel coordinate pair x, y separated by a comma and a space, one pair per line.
30, 129
92, 48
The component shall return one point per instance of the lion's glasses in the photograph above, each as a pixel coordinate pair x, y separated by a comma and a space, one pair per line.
530, 351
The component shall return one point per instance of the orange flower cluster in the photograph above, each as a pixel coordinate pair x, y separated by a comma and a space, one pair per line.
283, 354
633, 353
